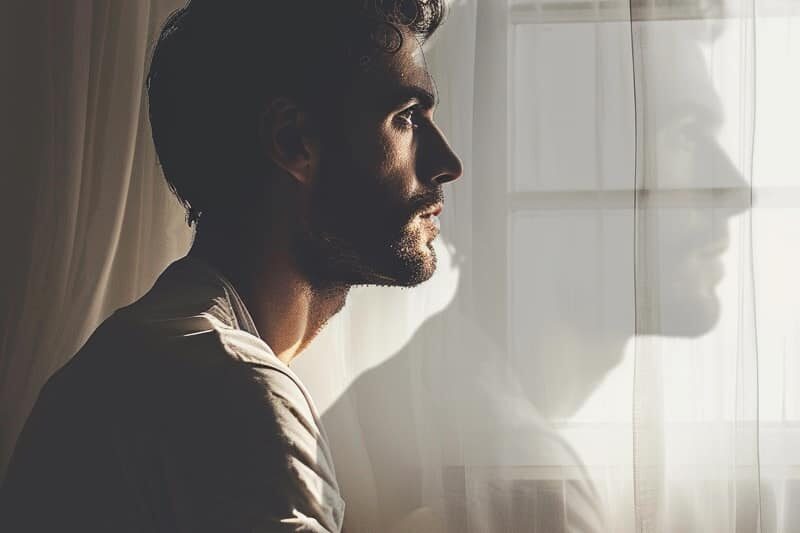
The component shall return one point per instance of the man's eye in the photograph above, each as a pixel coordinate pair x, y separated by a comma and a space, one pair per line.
405, 118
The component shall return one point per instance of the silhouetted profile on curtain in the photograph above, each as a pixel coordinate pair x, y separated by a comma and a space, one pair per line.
496, 408
300, 138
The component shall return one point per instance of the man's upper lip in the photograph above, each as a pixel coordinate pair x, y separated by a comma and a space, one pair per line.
716, 247
434, 210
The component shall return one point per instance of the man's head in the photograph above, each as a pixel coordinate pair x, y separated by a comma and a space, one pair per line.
318, 112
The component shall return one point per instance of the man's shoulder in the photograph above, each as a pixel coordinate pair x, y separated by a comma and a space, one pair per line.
200, 339
185, 375
168, 356
190, 310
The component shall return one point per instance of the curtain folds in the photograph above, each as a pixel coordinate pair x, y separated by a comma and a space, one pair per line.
609, 342
88, 220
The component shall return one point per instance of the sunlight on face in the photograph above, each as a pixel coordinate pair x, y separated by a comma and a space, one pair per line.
377, 200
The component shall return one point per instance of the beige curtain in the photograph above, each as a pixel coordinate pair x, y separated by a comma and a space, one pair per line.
87, 220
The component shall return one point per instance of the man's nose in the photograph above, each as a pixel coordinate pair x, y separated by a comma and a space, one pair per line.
443, 163
728, 181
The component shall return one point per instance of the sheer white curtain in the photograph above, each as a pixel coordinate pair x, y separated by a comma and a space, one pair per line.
609, 343
588, 357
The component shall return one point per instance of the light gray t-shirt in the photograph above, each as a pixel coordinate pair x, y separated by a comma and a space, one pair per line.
174, 416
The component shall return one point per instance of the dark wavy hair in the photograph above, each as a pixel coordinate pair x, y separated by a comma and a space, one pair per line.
217, 61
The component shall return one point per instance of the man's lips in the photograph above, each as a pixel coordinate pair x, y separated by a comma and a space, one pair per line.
433, 211
717, 247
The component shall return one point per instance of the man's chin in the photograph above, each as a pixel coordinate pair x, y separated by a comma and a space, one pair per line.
404, 271
407, 262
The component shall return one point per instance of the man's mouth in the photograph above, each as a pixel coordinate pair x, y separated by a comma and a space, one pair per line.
433, 211
716, 248
430, 218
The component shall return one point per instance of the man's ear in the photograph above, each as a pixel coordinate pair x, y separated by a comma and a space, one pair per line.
290, 138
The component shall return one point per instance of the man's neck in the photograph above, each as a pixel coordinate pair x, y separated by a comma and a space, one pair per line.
287, 311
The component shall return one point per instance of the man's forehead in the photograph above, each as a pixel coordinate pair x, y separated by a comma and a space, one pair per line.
409, 64
400, 74
418, 74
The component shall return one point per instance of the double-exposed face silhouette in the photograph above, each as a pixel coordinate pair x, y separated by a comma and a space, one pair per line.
446, 403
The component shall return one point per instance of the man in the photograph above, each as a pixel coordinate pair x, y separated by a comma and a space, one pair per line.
300, 137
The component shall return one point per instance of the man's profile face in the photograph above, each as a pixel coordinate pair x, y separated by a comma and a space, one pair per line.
373, 206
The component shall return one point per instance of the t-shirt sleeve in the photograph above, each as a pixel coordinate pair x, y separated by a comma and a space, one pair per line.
245, 453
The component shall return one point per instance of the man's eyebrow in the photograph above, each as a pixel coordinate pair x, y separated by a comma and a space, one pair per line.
404, 93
